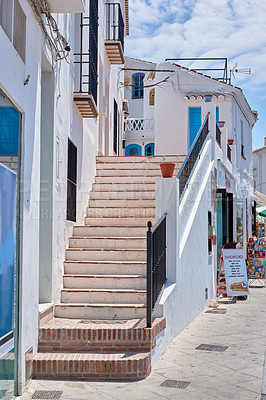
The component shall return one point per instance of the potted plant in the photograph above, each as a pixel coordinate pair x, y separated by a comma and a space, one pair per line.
230, 141
221, 124
167, 169
207, 98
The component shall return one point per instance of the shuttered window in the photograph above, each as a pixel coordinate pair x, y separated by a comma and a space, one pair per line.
13, 22
19, 34
71, 182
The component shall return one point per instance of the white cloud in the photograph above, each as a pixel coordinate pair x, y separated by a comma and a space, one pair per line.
234, 29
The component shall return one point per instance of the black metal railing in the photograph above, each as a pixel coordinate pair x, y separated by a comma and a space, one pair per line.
193, 153
87, 57
114, 23
156, 263
218, 135
229, 153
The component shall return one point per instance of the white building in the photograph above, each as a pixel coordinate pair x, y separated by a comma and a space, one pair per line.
60, 106
259, 168
139, 124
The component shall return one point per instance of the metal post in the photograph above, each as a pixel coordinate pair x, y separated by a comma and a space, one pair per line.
149, 276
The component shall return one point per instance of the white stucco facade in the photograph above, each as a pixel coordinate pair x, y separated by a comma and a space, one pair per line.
50, 119
259, 168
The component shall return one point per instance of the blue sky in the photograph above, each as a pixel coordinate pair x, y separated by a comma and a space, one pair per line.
234, 29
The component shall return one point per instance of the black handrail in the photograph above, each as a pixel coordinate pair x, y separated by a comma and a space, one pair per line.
218, 135
114, 23
229, 153
156, 264
192, 156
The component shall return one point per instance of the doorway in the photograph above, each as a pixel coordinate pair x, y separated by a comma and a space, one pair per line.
10, 216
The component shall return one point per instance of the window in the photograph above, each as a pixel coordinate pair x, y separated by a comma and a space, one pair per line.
210, 232
149, 149
133, 150
152, 97
242, 140
137, 86
13, 22
115, 147
71, 182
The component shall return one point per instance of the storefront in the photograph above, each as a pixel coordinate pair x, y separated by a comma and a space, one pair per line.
10, 127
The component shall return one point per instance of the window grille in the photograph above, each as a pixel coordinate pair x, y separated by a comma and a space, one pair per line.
71, 182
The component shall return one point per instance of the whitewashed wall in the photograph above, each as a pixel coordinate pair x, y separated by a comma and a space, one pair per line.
39, 235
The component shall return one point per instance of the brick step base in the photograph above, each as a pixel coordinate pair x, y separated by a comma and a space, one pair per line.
86, 366
61, 335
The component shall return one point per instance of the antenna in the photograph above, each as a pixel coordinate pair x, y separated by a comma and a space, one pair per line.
236, 70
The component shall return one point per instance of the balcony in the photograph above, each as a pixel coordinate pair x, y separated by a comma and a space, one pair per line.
86, 64
114, 34
139, 127
66, 6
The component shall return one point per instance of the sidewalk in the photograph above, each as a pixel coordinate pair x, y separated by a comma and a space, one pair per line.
232, 374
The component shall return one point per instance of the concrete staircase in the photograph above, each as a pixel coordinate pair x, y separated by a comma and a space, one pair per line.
104, 278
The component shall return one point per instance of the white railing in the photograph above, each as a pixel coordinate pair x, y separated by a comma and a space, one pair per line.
139, 124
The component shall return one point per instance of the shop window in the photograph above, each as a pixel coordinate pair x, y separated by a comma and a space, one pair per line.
71, 182
137, 86
152, 97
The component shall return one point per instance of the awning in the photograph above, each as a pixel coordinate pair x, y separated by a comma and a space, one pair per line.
261, 198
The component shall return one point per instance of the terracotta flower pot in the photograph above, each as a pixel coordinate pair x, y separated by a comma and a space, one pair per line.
221, 124
207, 98
167, 169
230, 141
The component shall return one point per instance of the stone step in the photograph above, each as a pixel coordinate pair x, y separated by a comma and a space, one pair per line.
100, 311
85, 366
125, 221
106, 254
144, 166
122, 187
111, 231
108, 242
60, 335
125, 195
105, 268
121, 203
129, 172
104, 282
125, 179
148, 159
121, 212
103, 296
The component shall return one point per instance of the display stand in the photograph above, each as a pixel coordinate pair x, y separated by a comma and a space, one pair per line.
256, 262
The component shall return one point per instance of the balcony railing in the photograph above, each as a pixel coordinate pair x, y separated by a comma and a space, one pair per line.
86, 62
193, 153
156, 264
218, 135
114, 36
139, 124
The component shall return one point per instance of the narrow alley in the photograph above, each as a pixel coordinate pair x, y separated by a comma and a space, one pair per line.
231, 371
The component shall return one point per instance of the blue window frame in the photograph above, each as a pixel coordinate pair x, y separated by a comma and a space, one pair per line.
133, 150
149, 149
9, 131
137, 85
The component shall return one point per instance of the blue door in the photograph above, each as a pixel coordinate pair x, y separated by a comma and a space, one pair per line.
217, 114
149, 149
194, 123
133, 150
